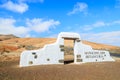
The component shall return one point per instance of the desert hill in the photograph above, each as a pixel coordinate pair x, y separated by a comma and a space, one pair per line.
14, 46
6, 37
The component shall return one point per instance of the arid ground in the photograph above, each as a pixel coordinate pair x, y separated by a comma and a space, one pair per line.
10, 70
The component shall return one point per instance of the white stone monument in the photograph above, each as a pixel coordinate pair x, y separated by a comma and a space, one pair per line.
54, 53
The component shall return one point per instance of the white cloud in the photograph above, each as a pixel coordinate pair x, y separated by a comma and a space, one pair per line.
94, 25
99, 24
15, 7
116, 22
79, 7
19, 6
111, 38
7, 26
39, 25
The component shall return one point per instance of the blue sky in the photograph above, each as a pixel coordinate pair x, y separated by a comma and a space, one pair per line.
95, 20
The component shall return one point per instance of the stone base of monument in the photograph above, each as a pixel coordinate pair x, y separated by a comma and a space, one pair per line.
54, 53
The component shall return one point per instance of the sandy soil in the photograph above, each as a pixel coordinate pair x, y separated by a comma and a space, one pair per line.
9, 70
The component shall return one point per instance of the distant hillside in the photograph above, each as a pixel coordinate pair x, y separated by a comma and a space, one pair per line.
20, 44
14, 47
110, 48
6, 37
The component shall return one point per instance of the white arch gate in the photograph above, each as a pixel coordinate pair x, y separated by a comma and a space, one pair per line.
54, 53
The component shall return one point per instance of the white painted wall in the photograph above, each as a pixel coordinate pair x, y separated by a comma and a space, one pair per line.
50, 54
54, 54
